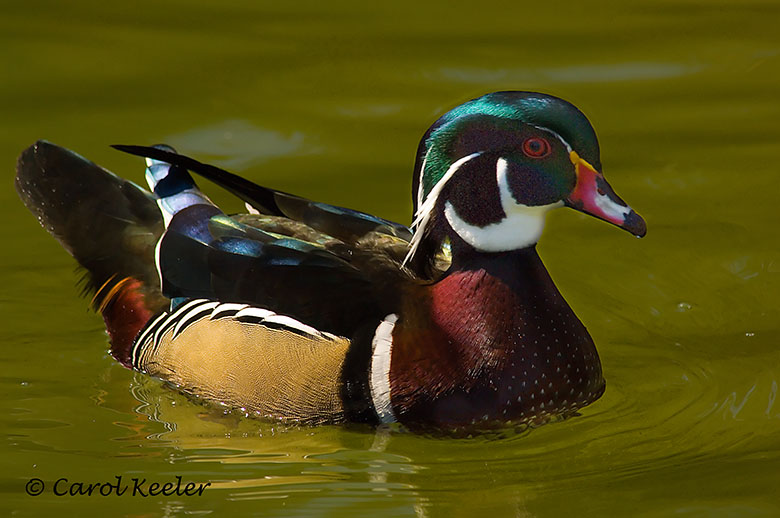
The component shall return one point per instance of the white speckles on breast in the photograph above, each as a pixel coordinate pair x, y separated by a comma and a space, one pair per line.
561, 371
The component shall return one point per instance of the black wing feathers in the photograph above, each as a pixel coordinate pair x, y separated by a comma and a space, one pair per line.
339, 222
240, 263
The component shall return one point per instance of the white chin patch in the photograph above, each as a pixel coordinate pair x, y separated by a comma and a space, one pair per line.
521, 227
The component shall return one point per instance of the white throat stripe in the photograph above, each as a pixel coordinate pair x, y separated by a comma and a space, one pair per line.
521, 227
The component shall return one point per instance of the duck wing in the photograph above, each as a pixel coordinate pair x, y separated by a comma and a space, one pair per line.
342, 223
207, 254
329, 267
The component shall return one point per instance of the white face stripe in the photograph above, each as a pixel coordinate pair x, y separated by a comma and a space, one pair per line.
425, 210
379, 381
521, 227
420, 189
548, 130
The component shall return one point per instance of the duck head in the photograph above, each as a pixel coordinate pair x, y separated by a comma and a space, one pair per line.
489, 170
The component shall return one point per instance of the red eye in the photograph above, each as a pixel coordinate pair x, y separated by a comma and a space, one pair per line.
536, 147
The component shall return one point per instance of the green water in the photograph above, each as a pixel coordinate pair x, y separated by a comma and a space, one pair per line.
330, 102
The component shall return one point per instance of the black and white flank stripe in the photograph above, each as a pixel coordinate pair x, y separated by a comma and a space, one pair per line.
151, 336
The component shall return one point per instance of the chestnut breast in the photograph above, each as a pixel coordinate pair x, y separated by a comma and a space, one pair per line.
493, 343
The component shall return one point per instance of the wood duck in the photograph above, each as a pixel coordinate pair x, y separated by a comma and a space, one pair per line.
309, 312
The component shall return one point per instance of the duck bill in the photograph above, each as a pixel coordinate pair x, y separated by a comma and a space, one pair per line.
593, 195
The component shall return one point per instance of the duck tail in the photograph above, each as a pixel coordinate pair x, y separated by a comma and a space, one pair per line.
108, 224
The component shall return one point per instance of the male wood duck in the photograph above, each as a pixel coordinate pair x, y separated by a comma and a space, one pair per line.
309, 312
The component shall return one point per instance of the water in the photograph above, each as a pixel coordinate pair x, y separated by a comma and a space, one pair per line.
329, 102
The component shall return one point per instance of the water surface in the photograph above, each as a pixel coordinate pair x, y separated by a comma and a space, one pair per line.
330, 102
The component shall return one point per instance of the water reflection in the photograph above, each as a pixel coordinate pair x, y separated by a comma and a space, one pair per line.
257, 460
424, 476
236, 144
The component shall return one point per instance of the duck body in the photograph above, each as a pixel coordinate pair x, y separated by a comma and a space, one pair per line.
308, 312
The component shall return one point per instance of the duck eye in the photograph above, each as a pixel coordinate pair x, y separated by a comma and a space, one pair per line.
536, 147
